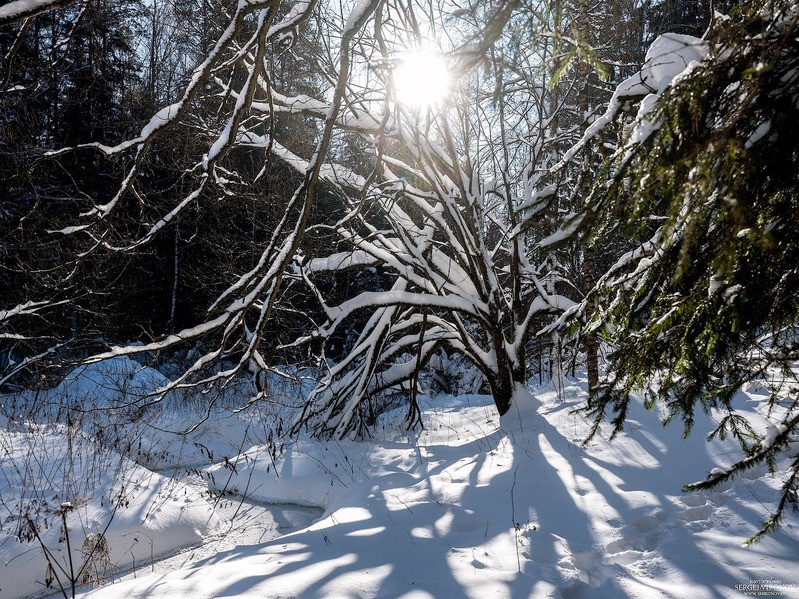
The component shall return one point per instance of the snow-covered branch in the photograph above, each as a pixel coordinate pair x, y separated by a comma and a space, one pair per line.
23, 9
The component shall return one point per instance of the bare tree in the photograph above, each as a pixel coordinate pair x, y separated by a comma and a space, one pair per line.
431, 198
438, 214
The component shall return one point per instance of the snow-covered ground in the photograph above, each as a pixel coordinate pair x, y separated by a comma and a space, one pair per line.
468, 507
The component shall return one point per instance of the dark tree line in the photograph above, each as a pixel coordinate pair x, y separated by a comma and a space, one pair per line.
96, 72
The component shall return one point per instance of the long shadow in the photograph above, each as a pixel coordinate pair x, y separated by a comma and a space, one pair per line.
571, 516
539, 516
518, 512
364, 548
686, 529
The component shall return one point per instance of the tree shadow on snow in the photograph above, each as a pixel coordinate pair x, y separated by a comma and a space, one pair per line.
520, 512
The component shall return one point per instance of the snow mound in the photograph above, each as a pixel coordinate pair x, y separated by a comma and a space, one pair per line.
111, 382
135, 513
668, 56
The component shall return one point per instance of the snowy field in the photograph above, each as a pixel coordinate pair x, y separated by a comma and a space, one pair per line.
471, 506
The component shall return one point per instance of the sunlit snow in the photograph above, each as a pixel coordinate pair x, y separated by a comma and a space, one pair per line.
471, 506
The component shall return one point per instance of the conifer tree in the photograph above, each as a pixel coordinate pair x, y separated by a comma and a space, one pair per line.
707, 187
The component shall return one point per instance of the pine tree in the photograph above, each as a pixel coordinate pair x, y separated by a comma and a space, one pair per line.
707, 186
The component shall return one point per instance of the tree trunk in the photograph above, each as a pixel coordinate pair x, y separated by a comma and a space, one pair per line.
583, 32
502, 391
592, 359
591, 338
503, 383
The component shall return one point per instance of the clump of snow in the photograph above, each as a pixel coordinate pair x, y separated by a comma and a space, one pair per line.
759, 133
22, 8
161, 119
772, 433
731, 292
716, 282
670, 57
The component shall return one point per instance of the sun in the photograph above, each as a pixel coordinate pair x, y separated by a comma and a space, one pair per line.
422, 79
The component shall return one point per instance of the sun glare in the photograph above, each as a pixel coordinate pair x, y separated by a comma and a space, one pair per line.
421, 79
